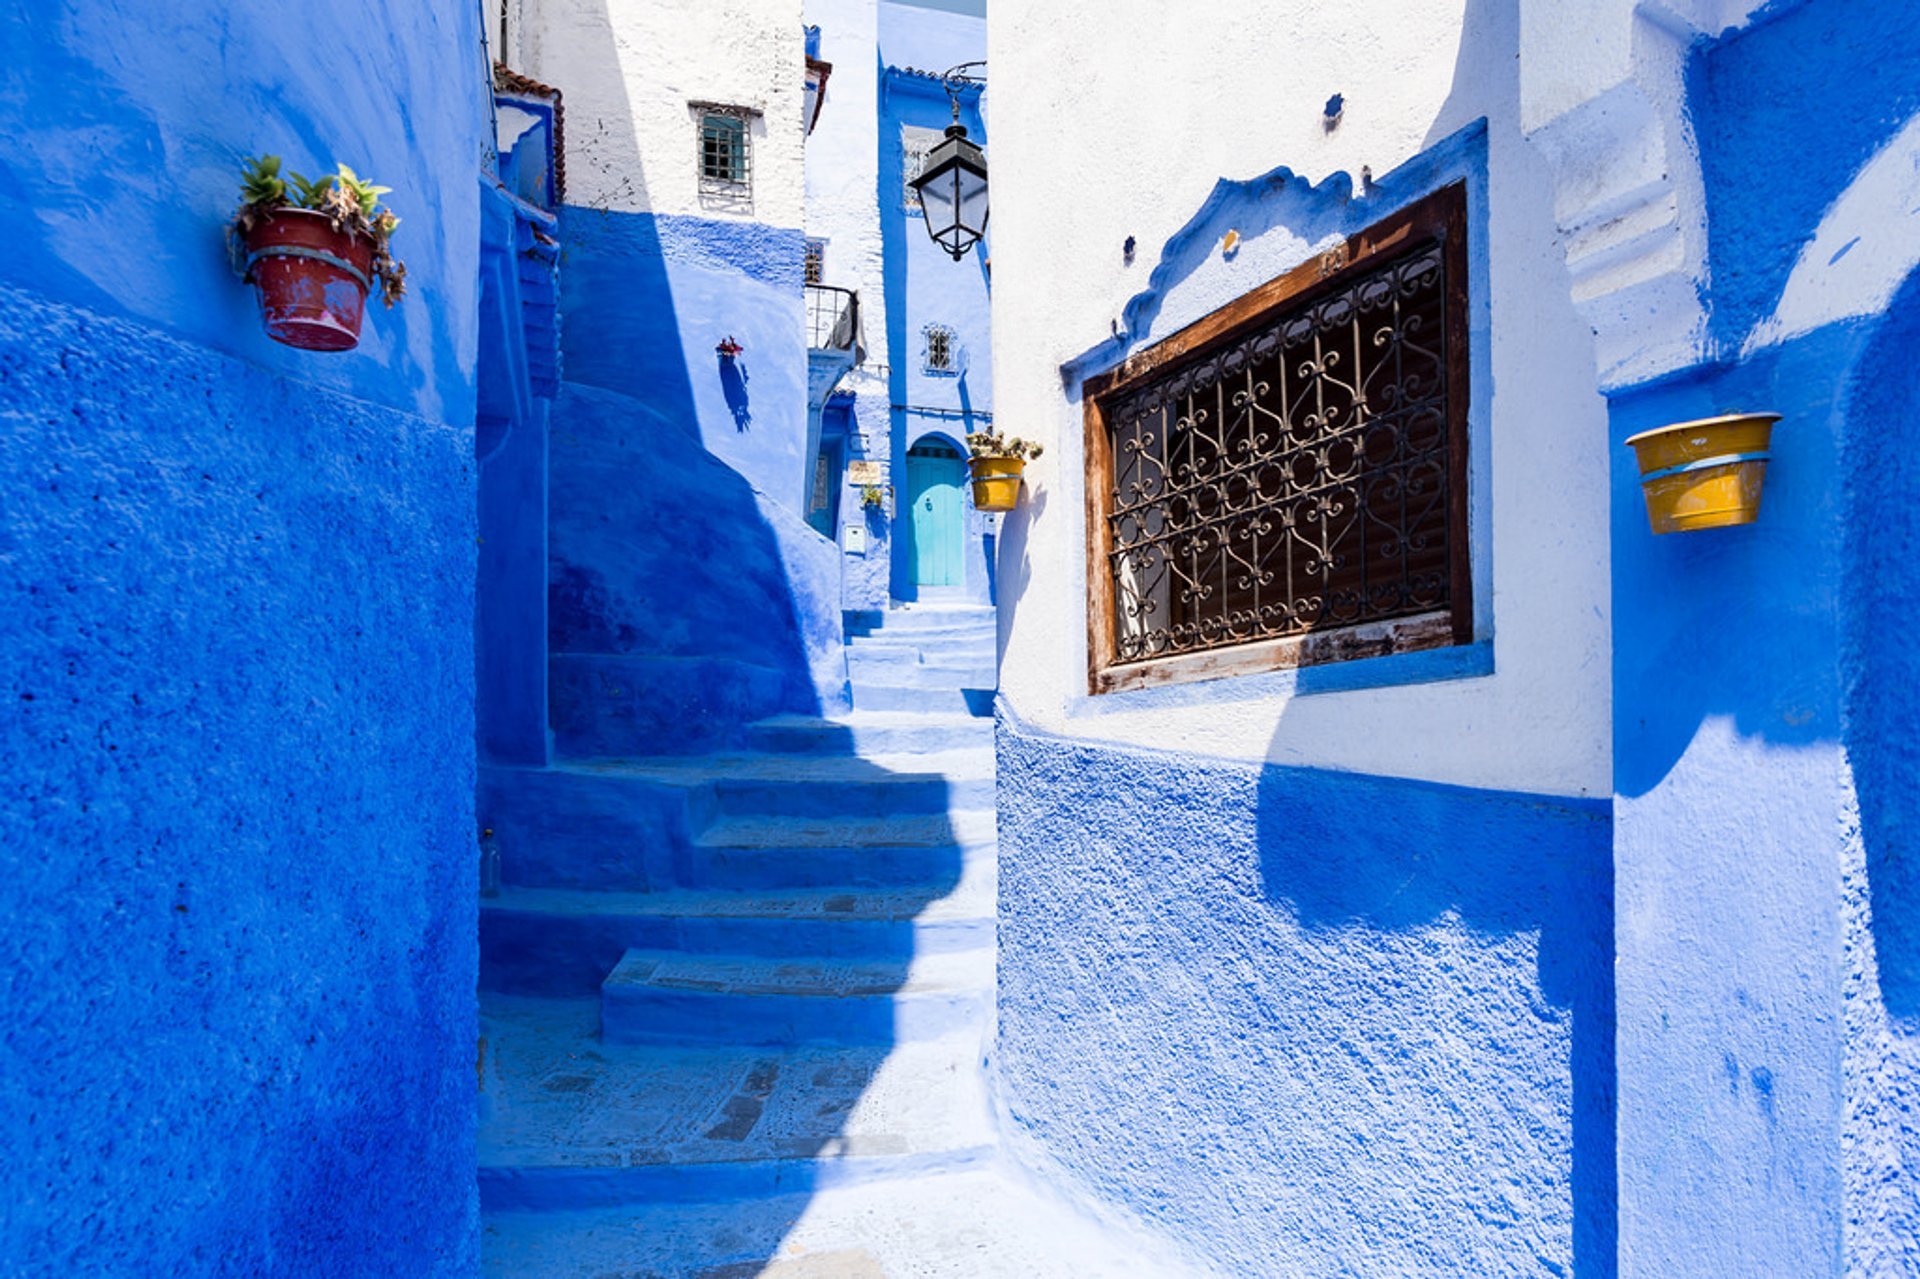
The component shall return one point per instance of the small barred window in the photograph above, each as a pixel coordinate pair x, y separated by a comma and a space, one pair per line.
725, 163
941, 356
816, 261
1284, 482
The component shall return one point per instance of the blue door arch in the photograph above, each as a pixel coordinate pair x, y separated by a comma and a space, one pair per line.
937, 525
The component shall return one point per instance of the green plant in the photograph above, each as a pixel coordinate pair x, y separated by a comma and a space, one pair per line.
350, 201
988, 444
873, 497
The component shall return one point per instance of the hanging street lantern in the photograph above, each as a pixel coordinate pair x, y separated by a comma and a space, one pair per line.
953, 182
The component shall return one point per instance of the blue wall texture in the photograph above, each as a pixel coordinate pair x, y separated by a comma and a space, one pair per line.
1764, 711
687, 594
683, 602
236, 848
647, 299
1310, 1022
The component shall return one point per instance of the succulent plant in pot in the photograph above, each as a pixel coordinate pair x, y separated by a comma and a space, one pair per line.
997, 463
312, 248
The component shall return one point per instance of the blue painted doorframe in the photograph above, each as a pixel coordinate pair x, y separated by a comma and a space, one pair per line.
937, 527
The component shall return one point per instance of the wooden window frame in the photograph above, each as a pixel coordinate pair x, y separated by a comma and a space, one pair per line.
1441, 215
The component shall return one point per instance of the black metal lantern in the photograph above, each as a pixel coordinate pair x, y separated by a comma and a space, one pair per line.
953, 181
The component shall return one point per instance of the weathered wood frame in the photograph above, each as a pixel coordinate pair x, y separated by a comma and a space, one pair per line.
1442, 216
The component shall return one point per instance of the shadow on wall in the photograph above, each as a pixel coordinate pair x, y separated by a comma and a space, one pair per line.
684, 602
1451, 885
733, 388
1880, 599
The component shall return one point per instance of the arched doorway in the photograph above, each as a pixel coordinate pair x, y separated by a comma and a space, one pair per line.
936, 529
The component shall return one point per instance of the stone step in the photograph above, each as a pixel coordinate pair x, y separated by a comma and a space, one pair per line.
923, 674
869, 733
661, 997
876, 658
628, 824
570, 1122
760, 853
545, 941
871, 695
921, 617
968, 636
961, 1223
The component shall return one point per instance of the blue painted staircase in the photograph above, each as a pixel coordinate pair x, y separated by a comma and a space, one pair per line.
739, 977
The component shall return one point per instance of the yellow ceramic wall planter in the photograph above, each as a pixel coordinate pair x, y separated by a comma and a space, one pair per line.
996, 482
1704, 474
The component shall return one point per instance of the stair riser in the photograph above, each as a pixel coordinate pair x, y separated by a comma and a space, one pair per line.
584, 830
630, 1015
927, 701
568, 1189
930, 638
573, 830
758, 869
850, 799
903, 739
532, 953
922, 675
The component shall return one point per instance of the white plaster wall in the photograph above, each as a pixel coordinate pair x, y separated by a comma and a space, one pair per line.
1114, 118
629, 68
842, 163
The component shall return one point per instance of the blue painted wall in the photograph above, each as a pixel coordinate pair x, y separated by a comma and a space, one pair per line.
236, 857
1309, 1022
687, 594
1764, 702
648, 297
925, 286
683, 603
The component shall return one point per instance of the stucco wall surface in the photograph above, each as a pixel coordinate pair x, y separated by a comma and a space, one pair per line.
236, 850
1309, 1023
683, 602
126, 141
1529, 710
629, 72
648, 299
1765, 694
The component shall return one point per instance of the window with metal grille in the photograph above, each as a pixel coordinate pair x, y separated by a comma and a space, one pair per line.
940, 352
816, 261
1284, 482
915, 142
725, 161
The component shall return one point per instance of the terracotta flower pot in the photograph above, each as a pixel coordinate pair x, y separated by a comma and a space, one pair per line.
311, 279
996, 482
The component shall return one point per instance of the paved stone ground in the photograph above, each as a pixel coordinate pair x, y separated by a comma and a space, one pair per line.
970, 1225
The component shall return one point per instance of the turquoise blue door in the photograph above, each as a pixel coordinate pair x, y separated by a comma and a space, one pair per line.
934, 476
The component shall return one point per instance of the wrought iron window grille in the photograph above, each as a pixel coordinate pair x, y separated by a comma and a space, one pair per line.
915, 142
1284, 482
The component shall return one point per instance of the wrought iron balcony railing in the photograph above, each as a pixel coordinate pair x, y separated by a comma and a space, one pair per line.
833, 319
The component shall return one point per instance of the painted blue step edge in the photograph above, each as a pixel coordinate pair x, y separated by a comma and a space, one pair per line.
562, 1189
534, 952
644, 1015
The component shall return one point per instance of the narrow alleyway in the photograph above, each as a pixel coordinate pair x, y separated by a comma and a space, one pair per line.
762, 1043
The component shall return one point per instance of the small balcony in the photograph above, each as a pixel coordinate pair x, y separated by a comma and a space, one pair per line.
833, 320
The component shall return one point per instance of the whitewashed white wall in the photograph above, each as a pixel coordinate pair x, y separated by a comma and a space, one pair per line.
842, 162
629, 68
1114, 118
